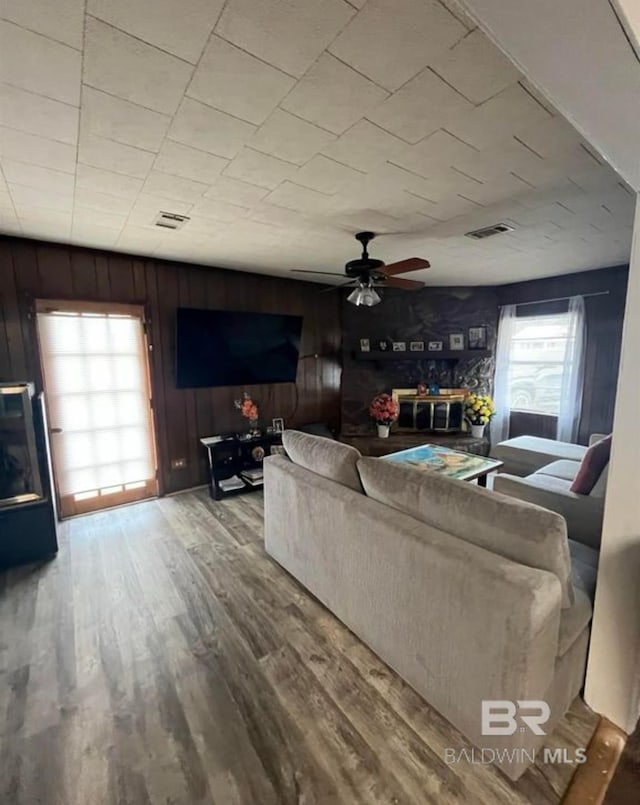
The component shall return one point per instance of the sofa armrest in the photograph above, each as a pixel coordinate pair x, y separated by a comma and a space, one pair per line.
583, 513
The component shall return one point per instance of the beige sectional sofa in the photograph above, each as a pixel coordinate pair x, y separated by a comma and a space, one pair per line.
467, 594
524, 455
549, 468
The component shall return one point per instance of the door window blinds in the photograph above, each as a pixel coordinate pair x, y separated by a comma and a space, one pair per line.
97, 387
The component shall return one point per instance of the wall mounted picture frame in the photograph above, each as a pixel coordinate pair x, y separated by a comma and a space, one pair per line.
365, 345
383, 345
399, 346
278, 425
435, 346
477, 337
416, 346
456, 342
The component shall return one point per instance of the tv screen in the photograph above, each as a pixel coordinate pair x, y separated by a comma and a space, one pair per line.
227, 348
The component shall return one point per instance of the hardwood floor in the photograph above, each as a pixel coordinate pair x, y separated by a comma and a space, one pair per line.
163, 657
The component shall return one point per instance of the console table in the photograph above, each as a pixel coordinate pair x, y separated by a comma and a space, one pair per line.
372, 445
231, 456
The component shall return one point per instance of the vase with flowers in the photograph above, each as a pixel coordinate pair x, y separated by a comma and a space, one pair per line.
249, 410
384, 411
478, 410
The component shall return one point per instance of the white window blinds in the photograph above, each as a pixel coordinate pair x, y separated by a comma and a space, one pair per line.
97, 389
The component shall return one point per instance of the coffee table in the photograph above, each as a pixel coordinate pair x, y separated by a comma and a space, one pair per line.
452, 463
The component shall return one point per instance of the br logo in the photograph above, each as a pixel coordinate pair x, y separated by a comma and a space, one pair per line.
500, 716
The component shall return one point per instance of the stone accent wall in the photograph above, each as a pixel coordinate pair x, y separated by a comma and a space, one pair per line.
431, 314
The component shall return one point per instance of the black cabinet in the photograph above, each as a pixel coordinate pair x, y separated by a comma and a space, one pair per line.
28, 531
235, 465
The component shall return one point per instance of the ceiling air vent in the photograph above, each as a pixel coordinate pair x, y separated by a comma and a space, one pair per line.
488, 231
171, 220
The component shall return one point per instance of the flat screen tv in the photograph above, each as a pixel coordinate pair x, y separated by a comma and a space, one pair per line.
227, 348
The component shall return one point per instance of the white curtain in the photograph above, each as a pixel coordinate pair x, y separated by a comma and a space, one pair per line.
573, 375
506, 332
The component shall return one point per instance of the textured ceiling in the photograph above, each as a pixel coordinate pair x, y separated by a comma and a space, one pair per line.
281, 127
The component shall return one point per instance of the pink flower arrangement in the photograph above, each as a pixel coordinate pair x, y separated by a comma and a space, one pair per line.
247, 407
384, 409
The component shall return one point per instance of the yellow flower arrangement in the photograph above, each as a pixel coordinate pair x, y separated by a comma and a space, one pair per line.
478, 408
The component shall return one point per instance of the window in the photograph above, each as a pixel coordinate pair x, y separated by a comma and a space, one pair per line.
540, 367
541, 353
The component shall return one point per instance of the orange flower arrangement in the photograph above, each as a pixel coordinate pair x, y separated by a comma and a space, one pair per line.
247, 407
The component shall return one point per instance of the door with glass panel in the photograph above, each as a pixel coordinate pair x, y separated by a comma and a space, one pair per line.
98, 394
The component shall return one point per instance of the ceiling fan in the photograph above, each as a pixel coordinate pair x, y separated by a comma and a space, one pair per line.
367, 274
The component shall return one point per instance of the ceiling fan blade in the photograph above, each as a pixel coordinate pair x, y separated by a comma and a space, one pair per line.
337, 287
404, 266
406, 285
304, 271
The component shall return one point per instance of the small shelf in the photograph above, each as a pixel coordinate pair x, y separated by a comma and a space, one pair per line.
444, 355
230, 455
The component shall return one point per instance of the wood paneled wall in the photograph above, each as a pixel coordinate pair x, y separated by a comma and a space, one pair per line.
605, 316
31, 269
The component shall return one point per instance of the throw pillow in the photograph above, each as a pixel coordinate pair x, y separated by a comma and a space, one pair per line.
593, 463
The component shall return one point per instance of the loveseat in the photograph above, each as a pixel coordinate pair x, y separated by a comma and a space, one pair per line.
541, 471
468, 595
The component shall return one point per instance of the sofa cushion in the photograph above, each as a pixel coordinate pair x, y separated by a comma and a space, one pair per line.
584, 567
560, 469
511, 528
591, 467
550, 483
526, 454
325, 457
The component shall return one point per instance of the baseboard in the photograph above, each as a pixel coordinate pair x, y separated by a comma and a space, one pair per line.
184, 491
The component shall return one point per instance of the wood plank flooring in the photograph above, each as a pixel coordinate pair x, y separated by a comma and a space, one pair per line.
163, 657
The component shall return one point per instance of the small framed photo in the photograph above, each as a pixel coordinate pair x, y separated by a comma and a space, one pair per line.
365, 345
435, 346
383, 345
416, 346
278, 425
477, 337
399, 346
456, 341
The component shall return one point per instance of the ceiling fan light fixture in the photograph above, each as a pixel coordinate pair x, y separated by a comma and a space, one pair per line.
364, 295
367, 273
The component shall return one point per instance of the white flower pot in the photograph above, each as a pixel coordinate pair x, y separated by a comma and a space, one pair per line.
477, 431
383, 431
